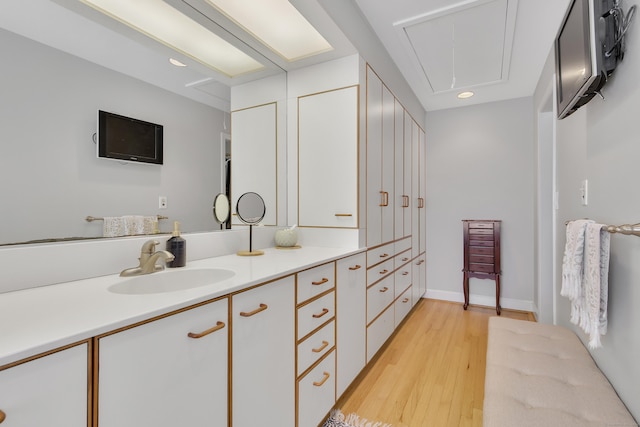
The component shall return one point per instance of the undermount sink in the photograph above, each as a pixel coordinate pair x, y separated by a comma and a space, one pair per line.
170, 281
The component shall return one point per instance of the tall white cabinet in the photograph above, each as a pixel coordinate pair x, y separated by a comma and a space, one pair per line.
328, 158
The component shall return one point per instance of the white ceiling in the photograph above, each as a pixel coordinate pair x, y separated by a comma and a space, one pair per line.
495, 48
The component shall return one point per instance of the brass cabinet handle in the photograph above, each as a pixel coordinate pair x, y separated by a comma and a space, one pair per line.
385, 199
343, 214
325, 377
322, 347
355, 267
322, 313
405, 259
324, 280
405, 300
404, 273
384, 255
2, 416
385, 289
219, 325
262, 307
420, 203
385, 271
405, 201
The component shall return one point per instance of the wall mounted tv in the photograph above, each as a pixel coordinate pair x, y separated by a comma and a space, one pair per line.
127, 139
583, 49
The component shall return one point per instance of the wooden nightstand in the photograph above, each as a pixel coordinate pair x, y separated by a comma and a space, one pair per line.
481, 254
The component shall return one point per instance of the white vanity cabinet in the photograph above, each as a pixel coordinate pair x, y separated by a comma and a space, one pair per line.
328, 158
47, 391
167, 372
263, 355
351, 288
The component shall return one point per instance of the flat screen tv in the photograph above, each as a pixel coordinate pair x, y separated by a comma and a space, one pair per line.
582, 62
127, 139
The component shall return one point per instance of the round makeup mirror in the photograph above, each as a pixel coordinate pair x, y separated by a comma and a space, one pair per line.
250, 209
221, 209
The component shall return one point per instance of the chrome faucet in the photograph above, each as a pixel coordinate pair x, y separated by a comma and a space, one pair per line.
148, 260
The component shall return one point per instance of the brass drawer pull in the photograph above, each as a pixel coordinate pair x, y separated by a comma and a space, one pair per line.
219, 325
262, 307
404, 273
384, 255
405, 300
355, 267
322, 347
326, 376
322, 313
324, 280
2, 416
385, 289
405, 259
343, 214
385, 271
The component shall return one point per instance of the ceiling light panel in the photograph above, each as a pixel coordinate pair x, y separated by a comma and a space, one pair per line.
168, 26
276, 24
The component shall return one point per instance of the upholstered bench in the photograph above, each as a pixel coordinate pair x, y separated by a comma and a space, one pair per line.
542, 375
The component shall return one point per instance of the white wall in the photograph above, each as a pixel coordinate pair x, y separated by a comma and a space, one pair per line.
600, 143
480, 162
52, 178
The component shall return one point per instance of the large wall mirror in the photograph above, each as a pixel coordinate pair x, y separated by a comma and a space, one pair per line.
52, 178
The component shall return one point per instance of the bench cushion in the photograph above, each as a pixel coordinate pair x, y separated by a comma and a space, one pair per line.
542, 375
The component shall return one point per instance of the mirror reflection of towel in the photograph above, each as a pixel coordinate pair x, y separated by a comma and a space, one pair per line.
129, 225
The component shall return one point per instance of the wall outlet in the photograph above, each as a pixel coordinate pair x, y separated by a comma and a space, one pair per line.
162, 202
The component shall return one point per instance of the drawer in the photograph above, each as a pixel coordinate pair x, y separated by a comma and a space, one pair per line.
316, 392
379, 271
486, 243
379, 331
402, 306
314, 314
316, 346
481, 268
379, 297
403, 278
315, 281
403, 245
482, 259
480, 251
482, 231
403, 257
379, 254
480, 225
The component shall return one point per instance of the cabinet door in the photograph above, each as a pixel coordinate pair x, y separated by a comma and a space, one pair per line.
388, 163
49, 391
398, 200
253, 157
263, 355
352, 319
164, 373
419, 278
316, 393
376, 197
328, 159
415, 188
423, 191
407, 191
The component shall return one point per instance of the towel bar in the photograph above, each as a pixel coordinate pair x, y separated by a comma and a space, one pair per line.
98, 218
627, 229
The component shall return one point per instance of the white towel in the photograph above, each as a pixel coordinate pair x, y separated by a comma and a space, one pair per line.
129, 225
596, 283
113, 226
585, 271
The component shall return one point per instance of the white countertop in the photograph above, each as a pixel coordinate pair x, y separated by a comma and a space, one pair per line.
37, 320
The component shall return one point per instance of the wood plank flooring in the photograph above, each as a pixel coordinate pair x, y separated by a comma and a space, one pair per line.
431, 372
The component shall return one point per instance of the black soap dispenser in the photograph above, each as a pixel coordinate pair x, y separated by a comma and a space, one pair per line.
178, 247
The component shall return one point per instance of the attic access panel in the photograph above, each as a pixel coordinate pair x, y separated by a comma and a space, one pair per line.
464, 45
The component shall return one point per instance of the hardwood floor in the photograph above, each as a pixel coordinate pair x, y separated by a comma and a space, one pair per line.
431, 372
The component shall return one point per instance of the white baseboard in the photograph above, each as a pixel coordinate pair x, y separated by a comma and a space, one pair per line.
484, 300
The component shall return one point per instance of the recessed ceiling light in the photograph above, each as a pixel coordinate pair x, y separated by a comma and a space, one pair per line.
163, 23
464, 95
277, 24
177, 63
